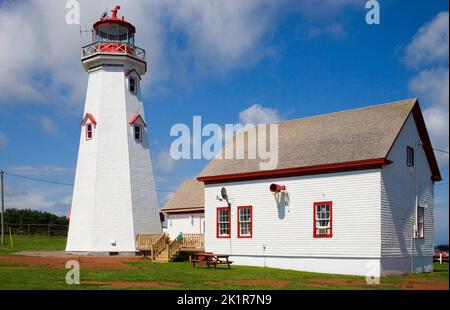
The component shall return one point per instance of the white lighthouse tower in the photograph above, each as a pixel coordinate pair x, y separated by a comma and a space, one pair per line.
114, 196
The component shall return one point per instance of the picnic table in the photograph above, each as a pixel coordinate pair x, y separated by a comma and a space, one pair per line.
211, 259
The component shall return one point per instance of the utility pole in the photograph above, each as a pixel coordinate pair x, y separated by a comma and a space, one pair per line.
2, 203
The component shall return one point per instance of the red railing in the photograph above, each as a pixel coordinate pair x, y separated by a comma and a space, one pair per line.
112, 48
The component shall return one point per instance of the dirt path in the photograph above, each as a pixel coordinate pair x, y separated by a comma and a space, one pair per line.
100, 263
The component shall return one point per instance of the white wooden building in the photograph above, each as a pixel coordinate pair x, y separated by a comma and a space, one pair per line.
358, 198
184, 212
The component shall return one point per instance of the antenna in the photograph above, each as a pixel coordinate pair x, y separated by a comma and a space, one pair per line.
104, 15
85, 31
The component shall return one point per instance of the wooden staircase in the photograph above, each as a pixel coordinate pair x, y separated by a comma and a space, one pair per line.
162, 250
162, 257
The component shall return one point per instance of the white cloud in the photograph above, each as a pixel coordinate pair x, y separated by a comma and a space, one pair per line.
33, 201
52, 171
430, 45
43, 121
3, 141
335, 30
42, 64
48, 125
428, 51
165, 162
185, 39
257, 114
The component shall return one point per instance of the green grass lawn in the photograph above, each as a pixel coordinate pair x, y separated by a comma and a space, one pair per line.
23, 243
143, 274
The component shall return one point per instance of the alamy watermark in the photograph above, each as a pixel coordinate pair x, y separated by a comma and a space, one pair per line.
257, 142
73, 275
373, 14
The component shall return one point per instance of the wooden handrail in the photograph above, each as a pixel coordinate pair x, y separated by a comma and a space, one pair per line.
193, 241
158, 246
173, 248
144, 242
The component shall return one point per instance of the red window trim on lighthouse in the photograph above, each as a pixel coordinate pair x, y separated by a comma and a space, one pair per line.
90, 117
218, 222
135, 118
329, 234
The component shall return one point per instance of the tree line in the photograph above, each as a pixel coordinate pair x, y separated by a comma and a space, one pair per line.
28, 216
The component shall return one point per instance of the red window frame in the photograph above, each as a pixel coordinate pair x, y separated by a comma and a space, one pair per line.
420, 210
410, 160
239, 222
217, 223
89, 129
330, 234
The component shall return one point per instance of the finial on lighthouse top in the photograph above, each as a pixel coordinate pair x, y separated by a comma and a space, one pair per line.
106, 23
114, 12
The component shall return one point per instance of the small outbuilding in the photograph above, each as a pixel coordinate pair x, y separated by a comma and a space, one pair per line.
184, 212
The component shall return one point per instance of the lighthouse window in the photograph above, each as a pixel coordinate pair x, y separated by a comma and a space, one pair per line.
88, 131
137, 133
133, 85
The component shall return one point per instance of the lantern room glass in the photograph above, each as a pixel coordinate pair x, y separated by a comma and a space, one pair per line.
113, 33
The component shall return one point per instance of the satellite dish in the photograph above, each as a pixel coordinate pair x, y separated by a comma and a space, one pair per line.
223, 193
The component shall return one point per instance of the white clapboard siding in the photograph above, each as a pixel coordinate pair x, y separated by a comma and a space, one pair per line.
400, 185
184, 223
114, 194
289, 231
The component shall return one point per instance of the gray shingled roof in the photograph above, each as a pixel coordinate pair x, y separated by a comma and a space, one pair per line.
347, 136
190, 196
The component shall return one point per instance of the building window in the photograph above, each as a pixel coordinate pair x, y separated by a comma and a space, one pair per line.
223, 223
89, 131
137, 132
410, 156
323, 219
133, 85
420, 222
245, 222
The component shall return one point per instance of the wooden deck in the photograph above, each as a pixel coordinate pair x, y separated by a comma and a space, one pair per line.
161, 248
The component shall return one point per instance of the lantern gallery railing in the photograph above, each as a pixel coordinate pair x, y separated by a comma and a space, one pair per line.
113, 48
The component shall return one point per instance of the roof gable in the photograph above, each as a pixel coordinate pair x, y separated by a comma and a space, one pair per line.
426, 142
134, 73
189, 197
136, 118
359, 138
90, 117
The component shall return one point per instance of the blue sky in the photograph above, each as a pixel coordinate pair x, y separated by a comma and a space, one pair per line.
221, 60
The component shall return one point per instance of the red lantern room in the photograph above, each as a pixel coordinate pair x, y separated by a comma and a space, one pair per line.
113, 36
114, 29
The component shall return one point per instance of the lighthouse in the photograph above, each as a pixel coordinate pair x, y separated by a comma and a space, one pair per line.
114, 196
